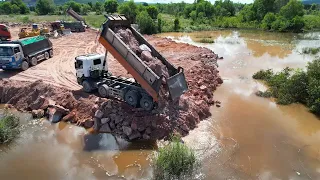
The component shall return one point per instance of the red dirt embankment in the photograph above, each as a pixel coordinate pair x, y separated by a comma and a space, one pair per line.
119, 118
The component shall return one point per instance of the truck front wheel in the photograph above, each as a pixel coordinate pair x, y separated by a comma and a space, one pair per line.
34, 61
103, 90
24, 65
86, 86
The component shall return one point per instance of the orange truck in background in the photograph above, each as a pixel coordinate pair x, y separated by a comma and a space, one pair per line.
4, 33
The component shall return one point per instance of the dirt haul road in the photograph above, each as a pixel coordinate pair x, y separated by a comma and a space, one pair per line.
59, 70
111, 115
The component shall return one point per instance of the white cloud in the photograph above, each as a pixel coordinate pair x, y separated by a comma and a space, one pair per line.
187, 1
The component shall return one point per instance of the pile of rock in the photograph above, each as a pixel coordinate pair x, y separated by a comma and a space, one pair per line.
115, 117
143, 51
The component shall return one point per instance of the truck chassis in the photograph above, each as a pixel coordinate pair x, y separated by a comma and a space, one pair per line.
119, 87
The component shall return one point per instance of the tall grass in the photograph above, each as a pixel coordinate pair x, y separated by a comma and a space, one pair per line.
173, 161
311, 50
92, 19
8, 128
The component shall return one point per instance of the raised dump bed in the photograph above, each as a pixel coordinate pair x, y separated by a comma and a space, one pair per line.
145, 76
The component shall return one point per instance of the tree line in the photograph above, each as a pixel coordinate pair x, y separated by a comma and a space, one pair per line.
276, 15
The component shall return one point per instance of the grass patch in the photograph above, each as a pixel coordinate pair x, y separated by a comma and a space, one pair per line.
174, 160
310, 50
206, 40
8, 128
91, 19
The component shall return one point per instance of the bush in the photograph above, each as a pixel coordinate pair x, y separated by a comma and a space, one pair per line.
206, 40
267, 21
310, 50
263, 75
174, 160
8, 128
266, 94
290, 86
44, 7
111, 6
146, 23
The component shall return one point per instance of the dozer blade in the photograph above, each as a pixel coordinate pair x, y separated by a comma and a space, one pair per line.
66, 31
177, 85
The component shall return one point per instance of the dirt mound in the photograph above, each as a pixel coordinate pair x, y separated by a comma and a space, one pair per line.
32, 95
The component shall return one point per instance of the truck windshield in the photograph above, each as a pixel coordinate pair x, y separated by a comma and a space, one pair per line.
6, 51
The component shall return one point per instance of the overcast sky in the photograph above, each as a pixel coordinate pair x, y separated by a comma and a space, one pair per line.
188, 1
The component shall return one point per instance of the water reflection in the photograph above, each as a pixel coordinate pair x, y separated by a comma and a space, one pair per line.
258, 139
63, 151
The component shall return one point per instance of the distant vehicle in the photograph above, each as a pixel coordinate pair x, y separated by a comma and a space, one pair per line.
5, 34
22, 53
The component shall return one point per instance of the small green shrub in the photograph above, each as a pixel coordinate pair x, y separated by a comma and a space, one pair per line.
265, 94
310, 50
8, 128
173, 161
263, 74
25, 19
206, 40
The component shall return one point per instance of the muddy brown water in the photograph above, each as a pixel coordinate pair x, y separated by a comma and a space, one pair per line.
247, 137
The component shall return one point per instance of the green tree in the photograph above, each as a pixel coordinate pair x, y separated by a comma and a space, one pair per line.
176, 23
262, 7
278, 4
15, 9
292, 9
23, 9
111, 6
98, 7
74, 5
267, 21
90, 4
7, 8
159, 24
146, 23
129, 9
152, 11
247, 13
44, 7
193, 15
85, 8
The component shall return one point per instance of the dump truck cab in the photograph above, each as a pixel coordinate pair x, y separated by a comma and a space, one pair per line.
88, 66
11, 56
5, 34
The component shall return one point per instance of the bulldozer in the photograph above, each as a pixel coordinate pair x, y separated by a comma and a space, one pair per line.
34, 31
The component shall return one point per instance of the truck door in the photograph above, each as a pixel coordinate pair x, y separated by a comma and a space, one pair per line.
18, 55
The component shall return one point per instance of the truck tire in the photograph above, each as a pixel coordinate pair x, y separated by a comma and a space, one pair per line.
34, 61
132, 98
146, 103
103, 90
24, 65
46, 55
51, 53
86, 86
